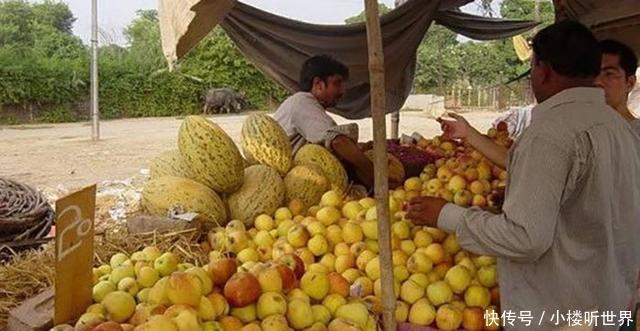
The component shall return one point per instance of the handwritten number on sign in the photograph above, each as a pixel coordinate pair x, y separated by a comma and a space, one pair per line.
81, 226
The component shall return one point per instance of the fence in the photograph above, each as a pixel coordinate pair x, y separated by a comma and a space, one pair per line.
493, 97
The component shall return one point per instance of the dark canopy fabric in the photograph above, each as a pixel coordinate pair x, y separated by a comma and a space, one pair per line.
278, 46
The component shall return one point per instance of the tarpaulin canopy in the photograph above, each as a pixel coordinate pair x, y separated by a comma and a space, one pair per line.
278, 46
619, 19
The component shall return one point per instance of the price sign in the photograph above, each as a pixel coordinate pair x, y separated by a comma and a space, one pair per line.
74, 254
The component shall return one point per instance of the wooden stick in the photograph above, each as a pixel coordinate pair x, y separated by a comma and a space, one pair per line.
376, 78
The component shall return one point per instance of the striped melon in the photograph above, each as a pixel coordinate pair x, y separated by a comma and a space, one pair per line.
307, 183
211, 156
396, 169
331, 167
163, 195
265, 142
169, 163
261, 193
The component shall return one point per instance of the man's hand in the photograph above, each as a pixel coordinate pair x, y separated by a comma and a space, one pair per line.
425, 210
458, 128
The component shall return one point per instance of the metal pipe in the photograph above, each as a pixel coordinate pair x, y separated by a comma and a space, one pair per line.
95, 111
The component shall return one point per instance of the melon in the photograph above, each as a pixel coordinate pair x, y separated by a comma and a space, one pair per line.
169, 163
210, 154
307, 183
262, 192
264, 141
165, 195
330, 165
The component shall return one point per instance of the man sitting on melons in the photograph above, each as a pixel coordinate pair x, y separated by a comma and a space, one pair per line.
304, 116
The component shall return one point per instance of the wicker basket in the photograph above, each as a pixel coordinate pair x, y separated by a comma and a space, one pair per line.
25, 213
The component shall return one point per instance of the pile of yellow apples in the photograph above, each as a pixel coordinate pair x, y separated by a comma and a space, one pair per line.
302, 268
463, 175
316, 268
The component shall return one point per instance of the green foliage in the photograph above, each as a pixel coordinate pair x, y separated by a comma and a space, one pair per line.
437, 61
382, 9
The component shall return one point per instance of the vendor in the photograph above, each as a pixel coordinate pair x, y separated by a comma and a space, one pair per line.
567, 237
304, 116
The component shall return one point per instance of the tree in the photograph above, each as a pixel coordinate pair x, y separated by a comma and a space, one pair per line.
54, 14
143, 36
437, 60
523, 10
382, 9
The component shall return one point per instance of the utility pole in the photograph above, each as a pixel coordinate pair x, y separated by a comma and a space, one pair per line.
95, 111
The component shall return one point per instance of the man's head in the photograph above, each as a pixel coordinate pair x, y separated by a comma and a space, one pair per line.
324, 77
565, 55
617, 73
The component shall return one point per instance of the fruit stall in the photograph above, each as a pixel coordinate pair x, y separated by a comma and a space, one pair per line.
278, 242
303, 254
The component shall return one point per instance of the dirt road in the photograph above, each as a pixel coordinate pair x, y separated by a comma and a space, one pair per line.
48, 156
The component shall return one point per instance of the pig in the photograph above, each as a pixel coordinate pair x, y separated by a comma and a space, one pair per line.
223, 100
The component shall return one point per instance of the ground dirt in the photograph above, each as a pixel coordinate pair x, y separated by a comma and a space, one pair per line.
51, 156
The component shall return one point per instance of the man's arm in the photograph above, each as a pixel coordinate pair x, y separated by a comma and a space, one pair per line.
495, 153
461, 129
526, 229
348, 151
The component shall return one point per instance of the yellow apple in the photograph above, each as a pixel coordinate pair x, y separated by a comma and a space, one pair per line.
298, 236
439, 293
372, 268
119, 306
435, 252
101, 289
487, 276
422, 313
275, 323
318, 245
355, 311
184, 288
129, 285
328, 215
316, 228
448, 318
264, 223
458, 278
270, 280
315, 285
457, 183
299, 314
352, 233
419, 262
246, 314
477, 296
283, 213
271, 303
411, 291
451, 245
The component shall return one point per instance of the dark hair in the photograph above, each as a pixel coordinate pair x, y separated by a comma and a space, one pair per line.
569, 48
626, 57
320, 66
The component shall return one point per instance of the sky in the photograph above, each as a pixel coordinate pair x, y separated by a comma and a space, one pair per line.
115, 15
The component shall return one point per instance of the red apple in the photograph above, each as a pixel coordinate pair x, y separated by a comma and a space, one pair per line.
222, 269
242, 289
294, 262
288, 277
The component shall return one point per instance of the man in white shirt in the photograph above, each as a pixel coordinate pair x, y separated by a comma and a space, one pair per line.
567, 237
304, 116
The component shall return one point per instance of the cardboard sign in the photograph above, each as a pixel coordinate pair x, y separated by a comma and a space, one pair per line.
74, 254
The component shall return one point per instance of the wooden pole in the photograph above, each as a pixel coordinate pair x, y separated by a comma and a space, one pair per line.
376, 78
